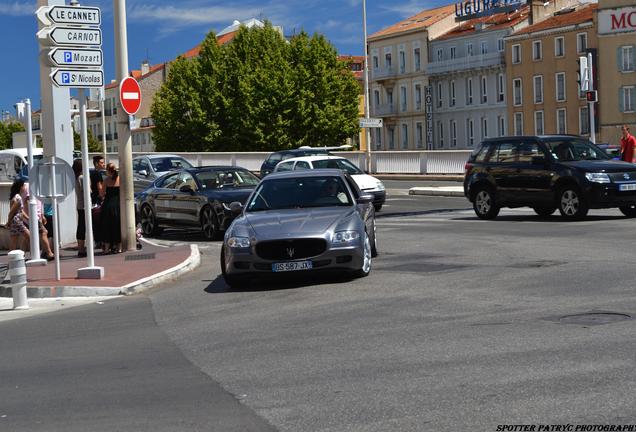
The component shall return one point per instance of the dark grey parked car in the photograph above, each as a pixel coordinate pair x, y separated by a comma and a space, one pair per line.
147, 169
301, 221
194, 197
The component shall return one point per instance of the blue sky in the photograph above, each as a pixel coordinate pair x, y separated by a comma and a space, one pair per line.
161, 30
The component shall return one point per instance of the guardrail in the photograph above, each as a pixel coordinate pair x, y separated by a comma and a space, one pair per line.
382, 162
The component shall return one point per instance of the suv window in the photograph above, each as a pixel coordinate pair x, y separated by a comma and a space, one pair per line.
527, 151
285, 166
506, 153
575, 150
482, 152
302, 165
144, 165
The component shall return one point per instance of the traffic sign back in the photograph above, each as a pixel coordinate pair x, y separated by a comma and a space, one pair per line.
130, 95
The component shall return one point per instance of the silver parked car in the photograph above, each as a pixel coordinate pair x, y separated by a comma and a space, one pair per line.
147, 169
301, 221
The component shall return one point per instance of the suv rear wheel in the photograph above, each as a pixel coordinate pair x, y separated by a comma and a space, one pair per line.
629, 211
571, 203
484, 204
544, 211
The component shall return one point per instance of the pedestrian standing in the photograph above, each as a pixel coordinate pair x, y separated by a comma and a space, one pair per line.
97, 194
17, 219
45, 246
110, 222
80, 232
628, 144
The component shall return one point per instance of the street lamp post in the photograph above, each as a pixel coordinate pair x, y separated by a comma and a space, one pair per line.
366, 84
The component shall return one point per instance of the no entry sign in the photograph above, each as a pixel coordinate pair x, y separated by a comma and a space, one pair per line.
130, 95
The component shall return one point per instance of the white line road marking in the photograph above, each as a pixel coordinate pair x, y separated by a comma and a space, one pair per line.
130, 95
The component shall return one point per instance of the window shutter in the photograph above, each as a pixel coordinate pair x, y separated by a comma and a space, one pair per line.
633, 57
619, 58
621, 104
633, 99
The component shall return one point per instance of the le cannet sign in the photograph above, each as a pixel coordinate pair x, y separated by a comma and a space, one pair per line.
617, 20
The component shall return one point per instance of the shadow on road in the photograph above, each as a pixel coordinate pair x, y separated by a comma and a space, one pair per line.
282, 282
383, 214
551, 219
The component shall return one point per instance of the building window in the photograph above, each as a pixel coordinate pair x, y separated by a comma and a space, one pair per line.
376, 97
405, 136
387, 60
516, 54
501, 122
538, 89
419, 135
391, 137
451, 88
440, 54
453, 53
417, 59
484, 47
537, 50
453, 133
538, 123
560, 86
376, 62
484, 127
469, 91
418, 97
501, 85
440, 133
402, 62
389, 97
518, 126
559, 46
469, 49
114, 105
484, 89
500, 45
378, 138
517, 92
561, 121
581, 42
584, 121
470, 132
627, 61
440, 96
403, 98
627, 100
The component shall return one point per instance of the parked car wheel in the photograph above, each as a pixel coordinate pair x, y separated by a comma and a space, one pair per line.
149, 221
484, 204
544, 211
209, 224
366, 263
571, 203
235, 282
629, 211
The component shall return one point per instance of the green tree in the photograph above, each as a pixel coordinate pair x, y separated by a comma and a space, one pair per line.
94, 146
6, 133
258, 93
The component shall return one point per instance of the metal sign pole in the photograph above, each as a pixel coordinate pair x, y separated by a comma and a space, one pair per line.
102, 97
33, 205
366, 84
56, 223
591, 104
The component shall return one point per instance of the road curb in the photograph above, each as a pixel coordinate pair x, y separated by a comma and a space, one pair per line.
430, 191
135, 287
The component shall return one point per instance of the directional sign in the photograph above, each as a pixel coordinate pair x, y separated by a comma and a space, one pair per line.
71, 36
370, 123
130, 95
76, 57
78, 78
69, 15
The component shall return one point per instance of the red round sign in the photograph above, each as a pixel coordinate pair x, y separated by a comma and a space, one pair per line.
130, 95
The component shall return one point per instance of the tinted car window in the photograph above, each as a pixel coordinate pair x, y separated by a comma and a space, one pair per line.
186, 179
229, 178
169, 164
289, 193
481, 154
575, 150
527, 151
505, 153
274, 158
285, 166
302, 165
169, 182
144, 165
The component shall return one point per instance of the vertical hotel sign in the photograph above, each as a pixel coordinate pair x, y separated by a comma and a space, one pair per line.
428, 101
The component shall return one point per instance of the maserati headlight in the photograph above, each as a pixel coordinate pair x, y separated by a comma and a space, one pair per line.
343, 237
238, 242
597, 177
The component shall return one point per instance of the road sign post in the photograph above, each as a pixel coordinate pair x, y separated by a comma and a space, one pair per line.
370, 122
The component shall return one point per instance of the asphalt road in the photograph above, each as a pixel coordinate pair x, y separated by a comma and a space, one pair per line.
463, 324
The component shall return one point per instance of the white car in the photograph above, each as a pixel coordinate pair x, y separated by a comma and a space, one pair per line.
367, 184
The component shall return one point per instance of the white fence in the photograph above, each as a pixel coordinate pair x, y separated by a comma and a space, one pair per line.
382, 162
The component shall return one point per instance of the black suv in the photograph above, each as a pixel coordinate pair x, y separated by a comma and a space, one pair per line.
272, 160
545, 173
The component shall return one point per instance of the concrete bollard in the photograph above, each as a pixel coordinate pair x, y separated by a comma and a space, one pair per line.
17, 273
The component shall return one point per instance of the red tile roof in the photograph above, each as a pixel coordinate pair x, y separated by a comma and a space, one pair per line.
493, 22
579, 16
422, 20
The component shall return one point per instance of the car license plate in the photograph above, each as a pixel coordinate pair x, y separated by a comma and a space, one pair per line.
627, 187
292, 266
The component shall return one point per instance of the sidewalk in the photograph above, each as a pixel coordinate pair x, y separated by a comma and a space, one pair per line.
124, 274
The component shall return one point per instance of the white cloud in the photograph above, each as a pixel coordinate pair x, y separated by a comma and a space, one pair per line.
184, 16
409, 8
17, 9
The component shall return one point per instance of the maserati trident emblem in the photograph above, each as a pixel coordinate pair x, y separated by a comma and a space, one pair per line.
290, 252
626, 176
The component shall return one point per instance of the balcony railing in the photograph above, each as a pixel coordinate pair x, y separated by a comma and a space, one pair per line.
384, 73
385, 109
469, 62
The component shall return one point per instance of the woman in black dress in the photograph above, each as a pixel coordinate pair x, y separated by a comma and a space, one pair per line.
110, 222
